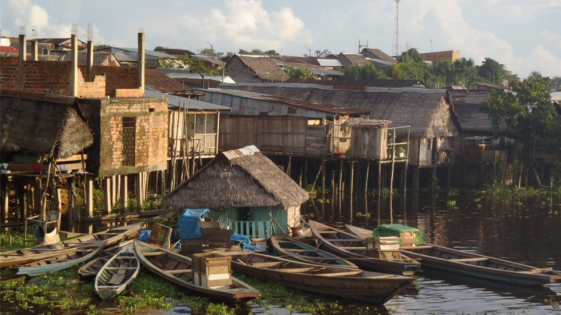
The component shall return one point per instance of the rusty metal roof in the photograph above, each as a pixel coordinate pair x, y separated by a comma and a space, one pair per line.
292, 102
161, 82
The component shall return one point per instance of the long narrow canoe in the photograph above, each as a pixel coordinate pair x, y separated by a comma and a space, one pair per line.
344, 283
351, 247
92, 268
177, 269
292, 249
475, 265
117, 273
79, 254
27, 255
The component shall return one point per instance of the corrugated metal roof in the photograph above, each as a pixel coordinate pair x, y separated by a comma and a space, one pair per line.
209, 59
290, 102
146, 51
329, 63
245, 151
184, 102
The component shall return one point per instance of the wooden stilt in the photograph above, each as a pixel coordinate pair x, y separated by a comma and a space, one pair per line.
352, 178
139, 189
124, 193
89, 199
58, 201
300, 177
305, 172
113, 190
5, 201
107, 195
366, 177
322, 179
333, 186
289, 166
341, 187
118, 189
71, 216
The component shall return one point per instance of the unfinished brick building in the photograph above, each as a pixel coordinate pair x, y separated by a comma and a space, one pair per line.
129, 131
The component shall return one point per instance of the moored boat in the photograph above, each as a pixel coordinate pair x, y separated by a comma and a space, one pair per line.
117, 273
353, 248
291, 249
78, 254
28, 255
178, 269
92, 267
470, 264
345, 283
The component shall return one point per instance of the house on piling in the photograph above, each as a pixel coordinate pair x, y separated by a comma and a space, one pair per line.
129, 130
245, 191
429, 113
279, 125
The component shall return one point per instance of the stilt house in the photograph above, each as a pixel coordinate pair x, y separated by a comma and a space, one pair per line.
245, 191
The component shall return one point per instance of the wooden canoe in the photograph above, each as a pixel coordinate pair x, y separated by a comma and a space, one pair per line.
351, 247
344, 283
117, 273
291, 249
28, 255
92, 267
79, 254
176, 269
475, 265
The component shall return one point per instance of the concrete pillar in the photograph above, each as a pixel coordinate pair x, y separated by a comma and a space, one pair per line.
73, 86
89, 66
141, 60
22, 56
34, 50
124, 192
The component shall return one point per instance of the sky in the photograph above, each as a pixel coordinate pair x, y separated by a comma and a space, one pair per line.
524, 35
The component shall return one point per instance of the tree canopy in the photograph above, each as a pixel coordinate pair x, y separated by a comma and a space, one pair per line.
300, 73
363, 72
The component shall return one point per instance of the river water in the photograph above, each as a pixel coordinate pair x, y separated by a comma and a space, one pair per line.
524, 230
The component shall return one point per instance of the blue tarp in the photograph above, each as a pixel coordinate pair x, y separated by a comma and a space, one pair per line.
241, 239
189, 223
144, 235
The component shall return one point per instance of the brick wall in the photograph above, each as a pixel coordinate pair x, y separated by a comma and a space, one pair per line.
53, 77
118, 78
151, 140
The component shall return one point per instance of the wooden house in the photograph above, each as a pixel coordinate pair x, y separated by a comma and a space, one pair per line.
429, 113
245, 191
369, 138
129, 131
281, 125
246, 68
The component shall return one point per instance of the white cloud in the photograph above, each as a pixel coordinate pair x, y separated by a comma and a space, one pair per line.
552, 37
542, 60
246, 24
28, 14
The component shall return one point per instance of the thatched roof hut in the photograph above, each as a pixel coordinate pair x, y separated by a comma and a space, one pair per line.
245, 68
428, 111
44, 127
237, 178
466, 104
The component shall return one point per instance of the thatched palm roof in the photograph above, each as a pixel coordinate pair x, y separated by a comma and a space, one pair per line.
41, 127
466, 104
263, 66
237, 178
428, 111
365, 123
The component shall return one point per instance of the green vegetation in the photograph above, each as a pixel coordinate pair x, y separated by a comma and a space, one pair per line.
363, 72
300, 73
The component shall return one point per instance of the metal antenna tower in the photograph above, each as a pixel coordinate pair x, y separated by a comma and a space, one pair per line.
396, 30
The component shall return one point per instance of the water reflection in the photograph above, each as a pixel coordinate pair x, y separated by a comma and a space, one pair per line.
523, 230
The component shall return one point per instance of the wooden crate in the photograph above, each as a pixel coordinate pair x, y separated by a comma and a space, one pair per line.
211, 263
216, 281
211, 270
390, 255
191, 246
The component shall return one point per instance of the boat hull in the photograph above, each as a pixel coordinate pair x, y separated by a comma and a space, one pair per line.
350, 247
117, 273
292, 249
181, 274
344, 283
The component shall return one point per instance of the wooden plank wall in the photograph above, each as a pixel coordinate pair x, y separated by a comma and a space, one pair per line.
272, 133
